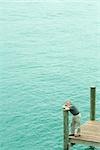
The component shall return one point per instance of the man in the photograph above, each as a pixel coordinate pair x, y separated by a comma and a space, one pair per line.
75, 124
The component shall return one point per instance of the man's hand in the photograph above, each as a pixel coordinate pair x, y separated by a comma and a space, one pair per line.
66, 108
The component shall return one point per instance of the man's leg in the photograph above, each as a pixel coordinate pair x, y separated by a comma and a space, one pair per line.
73, 126
77, 125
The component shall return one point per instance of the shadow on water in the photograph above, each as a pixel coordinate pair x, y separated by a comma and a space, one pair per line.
90, 148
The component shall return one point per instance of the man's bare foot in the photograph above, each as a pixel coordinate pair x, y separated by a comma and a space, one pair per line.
77, 135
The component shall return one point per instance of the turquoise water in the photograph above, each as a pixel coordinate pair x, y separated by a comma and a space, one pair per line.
49, 52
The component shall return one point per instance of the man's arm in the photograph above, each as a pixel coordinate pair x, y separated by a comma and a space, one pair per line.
66, 108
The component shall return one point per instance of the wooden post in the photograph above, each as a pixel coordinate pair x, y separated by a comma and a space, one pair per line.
92, 102
66, 129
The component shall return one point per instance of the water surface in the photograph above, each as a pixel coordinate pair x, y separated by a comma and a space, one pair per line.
49, 52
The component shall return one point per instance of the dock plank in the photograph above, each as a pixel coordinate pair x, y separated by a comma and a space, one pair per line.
90, 134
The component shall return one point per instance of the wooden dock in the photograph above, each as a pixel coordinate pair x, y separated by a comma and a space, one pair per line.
90, 131
90, 134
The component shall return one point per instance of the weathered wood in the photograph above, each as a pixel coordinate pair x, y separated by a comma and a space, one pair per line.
85, 142
92, 102
66, 129
90, 134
